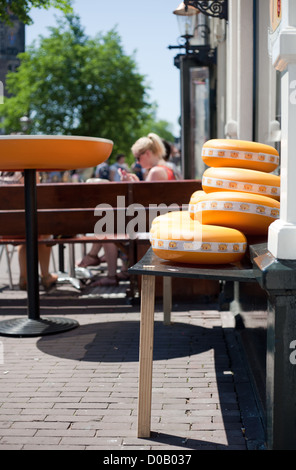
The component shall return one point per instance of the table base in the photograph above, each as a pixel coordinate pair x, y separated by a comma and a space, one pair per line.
149, 267
26, 327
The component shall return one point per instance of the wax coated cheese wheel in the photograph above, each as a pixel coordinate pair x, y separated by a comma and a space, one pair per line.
194, 243
249, 213
240, 154
177, 221
195, 198
176, 217
240, 179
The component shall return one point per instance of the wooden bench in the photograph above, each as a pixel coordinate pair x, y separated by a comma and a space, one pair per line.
72, 212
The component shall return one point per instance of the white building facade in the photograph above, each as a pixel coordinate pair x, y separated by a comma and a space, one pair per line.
256, 94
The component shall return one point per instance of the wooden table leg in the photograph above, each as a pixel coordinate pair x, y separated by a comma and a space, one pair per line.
146, 355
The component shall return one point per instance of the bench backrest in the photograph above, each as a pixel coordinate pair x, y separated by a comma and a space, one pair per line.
69, 208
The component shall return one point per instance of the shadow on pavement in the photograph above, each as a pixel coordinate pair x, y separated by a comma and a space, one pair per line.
119, 342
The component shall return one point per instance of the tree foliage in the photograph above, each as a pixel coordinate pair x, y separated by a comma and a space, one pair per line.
21, 8
71, 84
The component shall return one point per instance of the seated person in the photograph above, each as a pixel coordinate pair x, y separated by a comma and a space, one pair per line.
44, 251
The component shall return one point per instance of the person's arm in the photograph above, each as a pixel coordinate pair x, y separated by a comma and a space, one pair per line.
125, 176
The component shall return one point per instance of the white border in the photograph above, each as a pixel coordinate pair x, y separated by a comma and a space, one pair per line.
226, 184
241, 155
198, 247
235, 206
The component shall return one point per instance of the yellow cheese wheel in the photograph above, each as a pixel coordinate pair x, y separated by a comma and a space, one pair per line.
176, 217
195, 198
191, 242
249, 213
240, 154
242, 180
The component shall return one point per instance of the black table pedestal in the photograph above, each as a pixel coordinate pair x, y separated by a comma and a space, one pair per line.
25, 327
33, 325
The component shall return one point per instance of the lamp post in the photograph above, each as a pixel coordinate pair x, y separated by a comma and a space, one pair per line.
195, 56
186, 18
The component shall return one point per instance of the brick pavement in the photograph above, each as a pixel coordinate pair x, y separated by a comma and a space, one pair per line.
78, 390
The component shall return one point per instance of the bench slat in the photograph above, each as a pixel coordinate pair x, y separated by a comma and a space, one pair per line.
69, 208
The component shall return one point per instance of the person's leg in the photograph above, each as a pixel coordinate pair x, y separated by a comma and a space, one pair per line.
111, 252
44, 252
21, 249
123, 275
47, 278
91, 258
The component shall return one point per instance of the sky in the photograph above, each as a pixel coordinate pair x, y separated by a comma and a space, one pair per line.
146, 29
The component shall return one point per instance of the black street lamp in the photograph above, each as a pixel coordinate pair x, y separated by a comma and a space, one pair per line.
186, 18
194, 57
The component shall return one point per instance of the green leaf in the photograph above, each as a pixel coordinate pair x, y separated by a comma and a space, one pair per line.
21, 8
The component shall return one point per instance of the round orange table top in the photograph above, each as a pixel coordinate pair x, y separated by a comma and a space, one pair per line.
52, 152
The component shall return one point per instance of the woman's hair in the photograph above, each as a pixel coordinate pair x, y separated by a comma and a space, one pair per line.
151, 142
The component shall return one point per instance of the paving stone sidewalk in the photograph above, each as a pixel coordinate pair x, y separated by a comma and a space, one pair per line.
78, 390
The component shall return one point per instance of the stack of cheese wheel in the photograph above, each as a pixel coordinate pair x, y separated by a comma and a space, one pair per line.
239, 197
239, 190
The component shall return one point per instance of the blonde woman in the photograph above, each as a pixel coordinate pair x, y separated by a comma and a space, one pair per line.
150, 151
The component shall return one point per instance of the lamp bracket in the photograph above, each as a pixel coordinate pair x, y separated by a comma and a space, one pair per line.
213, 8
202, 55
